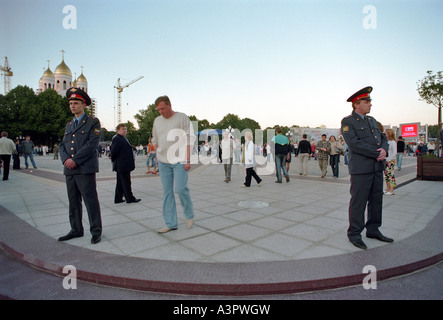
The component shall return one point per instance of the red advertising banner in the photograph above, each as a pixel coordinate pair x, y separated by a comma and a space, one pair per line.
409, 130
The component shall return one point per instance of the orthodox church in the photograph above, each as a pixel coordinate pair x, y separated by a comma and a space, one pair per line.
61, 80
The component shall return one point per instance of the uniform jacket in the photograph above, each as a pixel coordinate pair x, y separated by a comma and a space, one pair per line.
363, 139
122, 154
80, 144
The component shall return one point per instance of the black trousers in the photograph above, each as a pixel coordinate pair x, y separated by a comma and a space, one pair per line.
6, 162
83, 186
366, 191
250, 172
16, 161
123, 187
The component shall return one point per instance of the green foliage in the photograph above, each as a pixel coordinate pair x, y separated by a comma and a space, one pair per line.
145, 120
430, 88
42, 116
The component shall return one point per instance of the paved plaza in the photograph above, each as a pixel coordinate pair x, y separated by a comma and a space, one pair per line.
267, 239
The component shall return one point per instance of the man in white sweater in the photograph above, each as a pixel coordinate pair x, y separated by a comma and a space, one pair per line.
172, 140
7, 147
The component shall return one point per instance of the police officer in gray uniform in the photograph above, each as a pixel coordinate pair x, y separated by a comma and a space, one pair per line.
78, 153
368, 148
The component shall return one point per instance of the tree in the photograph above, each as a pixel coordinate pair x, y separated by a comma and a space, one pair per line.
43, 116
145, 120
50, 115
430, 90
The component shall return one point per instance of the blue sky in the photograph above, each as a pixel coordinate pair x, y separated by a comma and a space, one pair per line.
281, 62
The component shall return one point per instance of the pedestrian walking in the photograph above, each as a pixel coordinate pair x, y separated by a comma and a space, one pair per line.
281, 154
151, 161
173, 160
334, 155
250, 162
123, 162
7, 148
323, 148
304, 152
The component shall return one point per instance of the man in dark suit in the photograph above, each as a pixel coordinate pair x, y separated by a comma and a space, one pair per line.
368, 148
78, 153
123, 162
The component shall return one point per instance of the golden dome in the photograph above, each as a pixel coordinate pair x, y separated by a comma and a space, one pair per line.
63, 69
48, 73
82, 78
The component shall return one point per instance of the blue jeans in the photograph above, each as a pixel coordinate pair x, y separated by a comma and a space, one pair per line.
170, 174
280, 163
334, 159
151, 160
399, 160
31, 156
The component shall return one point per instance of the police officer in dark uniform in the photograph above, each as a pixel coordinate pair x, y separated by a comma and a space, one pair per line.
78, 153
368, 148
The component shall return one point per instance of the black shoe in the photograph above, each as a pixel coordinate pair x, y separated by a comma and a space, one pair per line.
380, 237
135, 200
119, 201
70, 236
96, 239
287, 179
358, 243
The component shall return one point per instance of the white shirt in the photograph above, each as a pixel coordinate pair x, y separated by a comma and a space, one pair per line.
392, 152
172, 137
7, 146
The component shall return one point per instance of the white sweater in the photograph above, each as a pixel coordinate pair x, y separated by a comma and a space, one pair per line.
392, 152
7, 146
172, 136
249, 155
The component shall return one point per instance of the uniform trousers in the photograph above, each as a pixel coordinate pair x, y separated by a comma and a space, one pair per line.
366, 191
83, 186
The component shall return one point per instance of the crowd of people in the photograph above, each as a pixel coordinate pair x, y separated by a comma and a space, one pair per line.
370, 152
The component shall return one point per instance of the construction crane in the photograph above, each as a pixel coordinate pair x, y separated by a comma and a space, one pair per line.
7, 73
120, 88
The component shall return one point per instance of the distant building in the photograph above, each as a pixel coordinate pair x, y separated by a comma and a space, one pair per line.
61, 80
